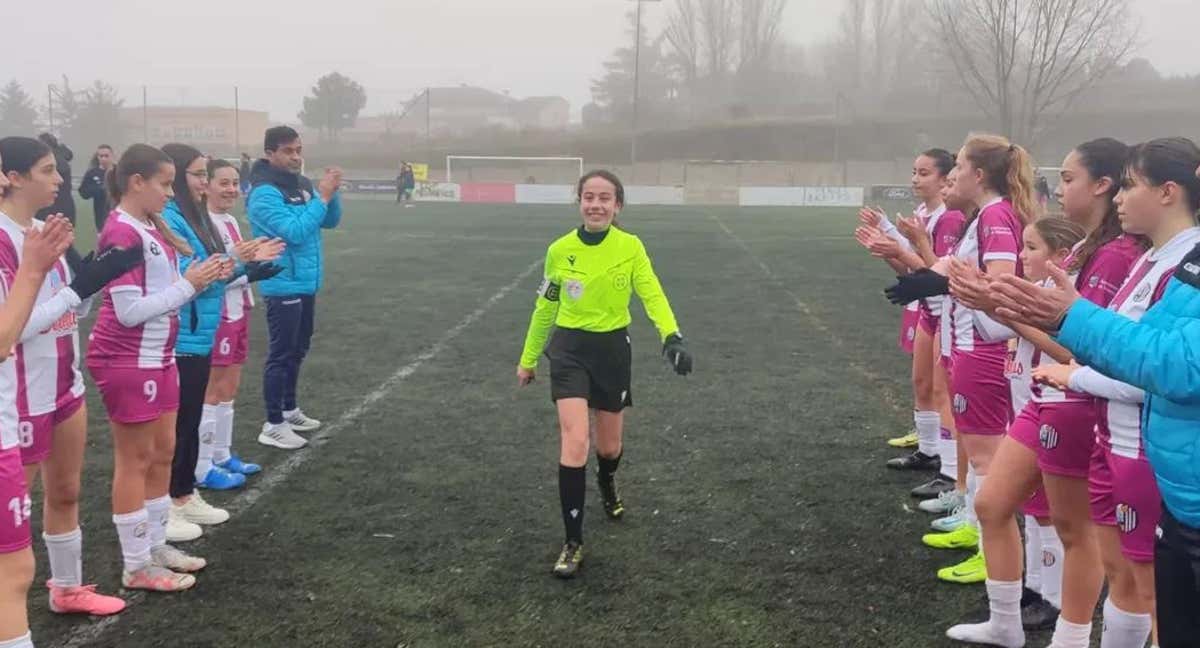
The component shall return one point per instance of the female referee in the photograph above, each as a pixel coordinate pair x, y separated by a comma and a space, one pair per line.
589, 277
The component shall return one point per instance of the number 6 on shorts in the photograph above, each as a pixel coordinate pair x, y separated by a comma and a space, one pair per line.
225, 347
150, 389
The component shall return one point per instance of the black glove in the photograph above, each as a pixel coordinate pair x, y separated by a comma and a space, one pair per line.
677, 354
74, 261
96, 270
918, 285
259, 270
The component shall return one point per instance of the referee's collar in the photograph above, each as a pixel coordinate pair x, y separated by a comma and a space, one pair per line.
591, 238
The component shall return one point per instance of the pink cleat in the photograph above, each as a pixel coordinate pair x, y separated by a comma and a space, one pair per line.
83, 599
157, 579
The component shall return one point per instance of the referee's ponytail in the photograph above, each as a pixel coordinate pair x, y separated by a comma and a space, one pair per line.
618, 188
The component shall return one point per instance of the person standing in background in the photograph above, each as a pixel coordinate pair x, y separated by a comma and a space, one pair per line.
64, 204
244, 174
92, 186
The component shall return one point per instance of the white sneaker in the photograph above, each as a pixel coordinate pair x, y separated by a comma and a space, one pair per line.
179, 529
300, 422
281, 436
944, 503
197, 511
176, 560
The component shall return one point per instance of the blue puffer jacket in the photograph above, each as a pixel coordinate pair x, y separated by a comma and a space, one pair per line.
199, 318
283, 205
1161, 354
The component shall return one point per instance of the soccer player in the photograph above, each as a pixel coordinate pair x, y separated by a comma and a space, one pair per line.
53, 416
997, 177
940, 228
283, 205
132, 358
41, 251
233, 336
590, 275
1052, 438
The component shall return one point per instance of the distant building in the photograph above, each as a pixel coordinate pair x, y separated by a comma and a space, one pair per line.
213, 130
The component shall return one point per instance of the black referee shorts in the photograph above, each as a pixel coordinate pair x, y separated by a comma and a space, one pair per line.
595, 366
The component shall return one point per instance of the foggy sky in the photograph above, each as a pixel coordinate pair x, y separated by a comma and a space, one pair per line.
193, 52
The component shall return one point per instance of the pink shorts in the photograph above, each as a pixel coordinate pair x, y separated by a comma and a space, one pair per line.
1062, 435
1124, 494
982, 397
908, 328
232, 343
37, 432
1038, 505
14, 498
137, 395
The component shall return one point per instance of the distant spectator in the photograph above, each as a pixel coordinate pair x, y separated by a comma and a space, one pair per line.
65, 203
245, 173
405, 183
1043, 191
92, 186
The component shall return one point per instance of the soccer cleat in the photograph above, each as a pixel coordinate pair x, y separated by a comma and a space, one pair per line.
180, 529
218, 478
907, 441
176, 560
916, 461
971, 570
1036, 612
613, 506
157, 579
301, 422
951, 522
197, 511
964, 537
280, 435
83, 599
933, 488
234, 464
569, 561
944, 503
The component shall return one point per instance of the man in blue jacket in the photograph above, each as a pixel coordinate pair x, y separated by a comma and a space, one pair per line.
1161, 354
282, 204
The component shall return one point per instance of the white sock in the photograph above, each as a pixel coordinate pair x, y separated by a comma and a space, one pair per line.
928, 425
947, 449
1071, 635
974, 481
224, 441
1052, 565
1003, 627
208, 439
1033, 554
157, 511
133, 530
24, 641
1123, 629
66, 558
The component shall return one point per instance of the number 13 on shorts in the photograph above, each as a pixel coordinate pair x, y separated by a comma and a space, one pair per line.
21, 508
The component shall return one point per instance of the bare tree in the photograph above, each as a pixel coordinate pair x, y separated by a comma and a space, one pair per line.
882, 14
684, 42
1024, 61
758, 32
718, 28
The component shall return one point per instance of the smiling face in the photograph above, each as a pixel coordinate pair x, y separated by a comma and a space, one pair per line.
927, 182
223, 191
598, 204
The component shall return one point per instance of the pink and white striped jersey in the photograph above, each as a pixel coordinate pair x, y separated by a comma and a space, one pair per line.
995, 235
944, 227
1120, 421
47, 356
239, 298
9, 419
1098, 282
150, 345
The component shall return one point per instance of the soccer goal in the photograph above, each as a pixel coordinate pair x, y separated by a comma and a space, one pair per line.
515, 170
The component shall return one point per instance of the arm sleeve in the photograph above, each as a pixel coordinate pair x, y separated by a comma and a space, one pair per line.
650, 291
45, 314
333, 215
544, 312
1090, 381
273, 217
133, 309
889, 228
991, 330
1162, 361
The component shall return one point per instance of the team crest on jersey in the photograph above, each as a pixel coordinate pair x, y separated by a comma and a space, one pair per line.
620, 281
1143, 293
960, 403
1048, 559
1127, 518
1048, 437
1093, 281
574, 288
154, 249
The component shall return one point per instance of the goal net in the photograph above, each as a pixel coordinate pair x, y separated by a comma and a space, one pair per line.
513, 170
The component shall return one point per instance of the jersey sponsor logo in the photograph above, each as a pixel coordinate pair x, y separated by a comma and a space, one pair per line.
1048, 437
1189, 271
1127, 518
571, 259
64, 325
574, 288
960, 403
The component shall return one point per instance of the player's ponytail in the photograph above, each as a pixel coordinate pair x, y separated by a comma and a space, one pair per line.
1022, 190
1007, 170
145, 161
